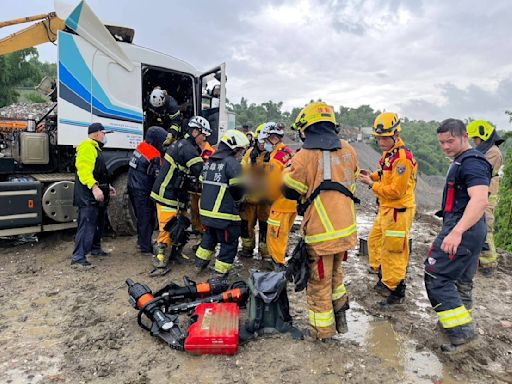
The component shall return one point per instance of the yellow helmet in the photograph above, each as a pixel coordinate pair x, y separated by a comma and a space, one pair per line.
235, 139
314, 113
258, 130
386, 124
481, 129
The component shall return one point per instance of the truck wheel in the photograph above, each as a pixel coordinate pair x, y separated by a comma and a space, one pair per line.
120, 211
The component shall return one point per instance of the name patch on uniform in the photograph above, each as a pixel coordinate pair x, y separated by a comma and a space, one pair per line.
400, 170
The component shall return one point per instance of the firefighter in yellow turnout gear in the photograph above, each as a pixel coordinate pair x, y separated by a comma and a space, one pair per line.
283, 211
487, 141
322, 178
255, 209
393, 185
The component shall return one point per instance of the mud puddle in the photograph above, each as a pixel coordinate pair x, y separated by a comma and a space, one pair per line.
413, 363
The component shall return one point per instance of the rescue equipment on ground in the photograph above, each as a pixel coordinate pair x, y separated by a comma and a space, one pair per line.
268, 307
163, 307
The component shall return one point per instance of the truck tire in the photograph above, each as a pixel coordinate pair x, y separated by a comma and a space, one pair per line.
120, 211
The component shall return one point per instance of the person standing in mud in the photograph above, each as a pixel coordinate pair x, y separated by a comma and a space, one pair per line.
453, 257
91, 195
487, 141
393, 185
321, 178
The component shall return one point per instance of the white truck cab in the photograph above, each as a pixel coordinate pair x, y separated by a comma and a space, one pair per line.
101, 77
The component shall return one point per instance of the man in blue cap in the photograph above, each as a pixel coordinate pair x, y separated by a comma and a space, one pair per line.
91, 195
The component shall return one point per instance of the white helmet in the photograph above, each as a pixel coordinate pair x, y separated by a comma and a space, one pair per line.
157, 98
201, 124
235, 139
271, 128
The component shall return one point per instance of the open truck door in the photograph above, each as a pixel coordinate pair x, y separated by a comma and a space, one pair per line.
212, 101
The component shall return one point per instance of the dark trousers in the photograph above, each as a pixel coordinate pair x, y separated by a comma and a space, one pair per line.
91, 220
145, 212
449, 278
228, 239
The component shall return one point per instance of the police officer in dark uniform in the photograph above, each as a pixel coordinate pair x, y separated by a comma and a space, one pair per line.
453, 258
170, 191
218, 207
91, 195
144, 167
162, 110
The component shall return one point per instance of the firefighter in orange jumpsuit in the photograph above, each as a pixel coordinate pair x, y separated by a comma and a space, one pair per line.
393, 185
322, 178
283, 211
255, 209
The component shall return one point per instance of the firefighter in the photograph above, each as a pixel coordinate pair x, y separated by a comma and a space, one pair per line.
283, 211
183, 158
453, 257
206, 151
144, 166
487, 141
222, 191
322, 177
91, 195
393, 185
255, 209
162, 110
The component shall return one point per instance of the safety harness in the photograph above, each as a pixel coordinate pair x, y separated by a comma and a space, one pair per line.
452, 179
326, 185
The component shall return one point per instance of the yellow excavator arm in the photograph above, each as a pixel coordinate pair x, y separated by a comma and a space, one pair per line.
42, 32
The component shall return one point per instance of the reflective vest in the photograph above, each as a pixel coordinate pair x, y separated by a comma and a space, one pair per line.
181, 159
329, 224
217, 207
144, 166
395, 181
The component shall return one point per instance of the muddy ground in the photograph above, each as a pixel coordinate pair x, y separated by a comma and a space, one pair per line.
60, 325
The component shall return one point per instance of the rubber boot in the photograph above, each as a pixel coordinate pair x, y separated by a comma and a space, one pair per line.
160, 258
395, 299
381, 289
246, 253
200, 264
460, 337
487, 271
341, 319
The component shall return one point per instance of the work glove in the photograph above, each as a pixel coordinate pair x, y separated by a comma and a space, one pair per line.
98, 194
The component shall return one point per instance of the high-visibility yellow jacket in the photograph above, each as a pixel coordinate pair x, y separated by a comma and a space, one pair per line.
280, 158
395, 181
329, 224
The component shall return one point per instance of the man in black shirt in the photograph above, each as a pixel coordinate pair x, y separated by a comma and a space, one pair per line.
453, 258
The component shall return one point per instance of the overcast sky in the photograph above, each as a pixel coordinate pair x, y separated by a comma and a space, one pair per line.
428, 59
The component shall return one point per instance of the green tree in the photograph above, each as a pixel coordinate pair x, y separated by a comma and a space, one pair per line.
503, 213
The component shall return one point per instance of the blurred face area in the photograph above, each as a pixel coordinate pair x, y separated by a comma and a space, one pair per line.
477, 141
386, 143
451, 145
261, 145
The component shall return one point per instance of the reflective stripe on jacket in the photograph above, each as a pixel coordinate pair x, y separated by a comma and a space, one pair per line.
280, 158
217, 206
329, 223
181, 159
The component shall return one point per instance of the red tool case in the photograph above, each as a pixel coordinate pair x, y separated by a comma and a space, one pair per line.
215, 330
